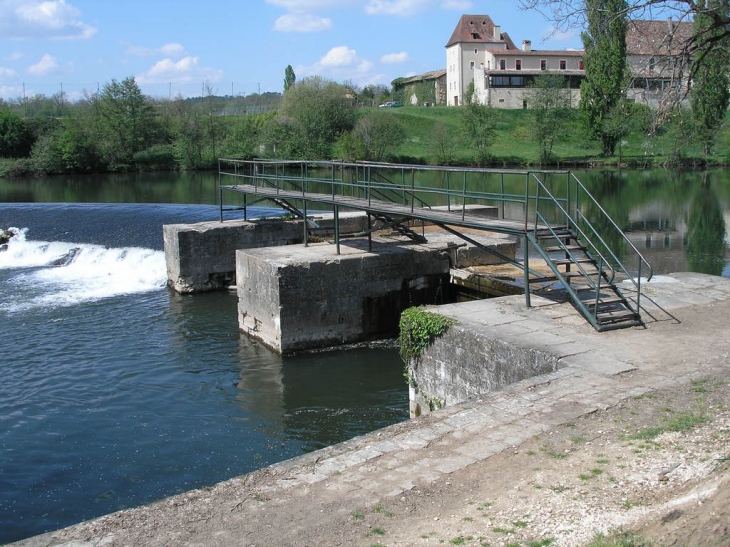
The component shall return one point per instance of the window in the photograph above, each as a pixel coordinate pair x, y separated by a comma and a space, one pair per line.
543, 64
476, 51
502, 64
518, 64
581, 66
563, 64
652, 64
471, 65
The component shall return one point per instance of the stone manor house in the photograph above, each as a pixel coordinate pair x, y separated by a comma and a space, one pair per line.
479, 52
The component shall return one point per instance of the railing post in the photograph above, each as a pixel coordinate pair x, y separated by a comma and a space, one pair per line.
337, 228
463, 197
220, 197
306, 229
448, 191
526, 271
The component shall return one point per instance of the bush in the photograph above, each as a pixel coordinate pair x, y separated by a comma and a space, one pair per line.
160, 157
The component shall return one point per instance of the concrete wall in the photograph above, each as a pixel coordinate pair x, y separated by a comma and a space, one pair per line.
202, 257
296, 298
466, 362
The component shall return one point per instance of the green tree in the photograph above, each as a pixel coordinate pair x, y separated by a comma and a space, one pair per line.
710, 91
479, 124
16, 139
379, 132
441, 144
318, 110
605, 66
548, 99
289, 78
124, 120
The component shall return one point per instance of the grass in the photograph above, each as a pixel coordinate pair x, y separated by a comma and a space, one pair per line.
620, 539
381, 510
683, 421
514, 145
376, 531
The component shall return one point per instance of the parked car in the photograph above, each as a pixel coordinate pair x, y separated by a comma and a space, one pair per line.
391, 104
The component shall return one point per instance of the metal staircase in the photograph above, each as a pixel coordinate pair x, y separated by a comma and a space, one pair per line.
590, 283
588, 259
583, 266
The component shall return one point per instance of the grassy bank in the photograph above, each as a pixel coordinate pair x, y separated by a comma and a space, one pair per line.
515, 143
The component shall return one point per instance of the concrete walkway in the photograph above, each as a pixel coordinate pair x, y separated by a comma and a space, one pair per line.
313, 496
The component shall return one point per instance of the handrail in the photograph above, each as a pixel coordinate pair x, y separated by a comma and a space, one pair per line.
641, 258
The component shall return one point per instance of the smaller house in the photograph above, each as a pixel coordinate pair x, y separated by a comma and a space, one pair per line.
426, 89
658, 61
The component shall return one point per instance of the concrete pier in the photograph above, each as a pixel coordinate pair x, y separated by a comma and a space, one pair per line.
422, 471
202, 257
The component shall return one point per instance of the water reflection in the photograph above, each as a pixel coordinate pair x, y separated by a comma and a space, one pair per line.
705, 230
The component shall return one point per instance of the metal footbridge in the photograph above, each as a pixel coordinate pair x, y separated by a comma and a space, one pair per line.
589, 259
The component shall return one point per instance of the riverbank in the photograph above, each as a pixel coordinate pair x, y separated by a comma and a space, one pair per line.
547, 461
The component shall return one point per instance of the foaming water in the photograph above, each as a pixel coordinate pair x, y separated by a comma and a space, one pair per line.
55, 273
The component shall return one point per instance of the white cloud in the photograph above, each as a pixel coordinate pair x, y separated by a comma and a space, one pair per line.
47, 65
7, 72
396, 7
394, 58
14, 56
185, 70
42, 19
10, 91
343, 64
339, 56
302, 22
168, 50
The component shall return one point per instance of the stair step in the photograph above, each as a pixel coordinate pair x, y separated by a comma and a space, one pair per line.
613, 317
559, 248
566, 261
591, 302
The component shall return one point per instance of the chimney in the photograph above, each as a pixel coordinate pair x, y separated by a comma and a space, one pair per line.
526, 45
497, 33
670, 26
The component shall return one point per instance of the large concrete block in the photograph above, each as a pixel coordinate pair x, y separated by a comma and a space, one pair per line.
202, 256
466, 362
295, 298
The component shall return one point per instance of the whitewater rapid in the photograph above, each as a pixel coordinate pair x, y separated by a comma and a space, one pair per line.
56, 273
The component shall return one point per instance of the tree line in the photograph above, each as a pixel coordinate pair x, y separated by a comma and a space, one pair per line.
120, 129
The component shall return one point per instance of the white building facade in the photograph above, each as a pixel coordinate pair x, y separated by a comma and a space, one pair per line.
479, 53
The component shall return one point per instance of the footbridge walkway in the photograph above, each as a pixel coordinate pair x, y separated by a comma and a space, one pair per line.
589, 259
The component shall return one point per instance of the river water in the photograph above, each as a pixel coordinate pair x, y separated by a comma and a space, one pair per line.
115, 391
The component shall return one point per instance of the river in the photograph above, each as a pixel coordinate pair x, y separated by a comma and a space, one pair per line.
116, 391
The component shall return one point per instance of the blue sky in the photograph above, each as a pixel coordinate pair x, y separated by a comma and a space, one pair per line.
174, 47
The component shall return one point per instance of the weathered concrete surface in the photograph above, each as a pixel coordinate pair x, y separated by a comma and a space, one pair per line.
294, 298
315, 496
202, 256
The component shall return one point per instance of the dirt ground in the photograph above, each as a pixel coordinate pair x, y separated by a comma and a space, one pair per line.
658, 465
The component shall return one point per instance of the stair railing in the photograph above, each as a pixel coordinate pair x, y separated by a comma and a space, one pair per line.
578, 220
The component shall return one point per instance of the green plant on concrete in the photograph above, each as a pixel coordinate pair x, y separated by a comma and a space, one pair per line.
418, 329
541, 542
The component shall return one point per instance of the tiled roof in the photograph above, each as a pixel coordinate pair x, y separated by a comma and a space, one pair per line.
657, 37
537, 52
433, 75
473, 29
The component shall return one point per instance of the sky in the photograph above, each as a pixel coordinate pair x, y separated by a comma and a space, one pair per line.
185, 47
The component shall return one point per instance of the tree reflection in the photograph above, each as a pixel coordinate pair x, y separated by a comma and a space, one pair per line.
705, 243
